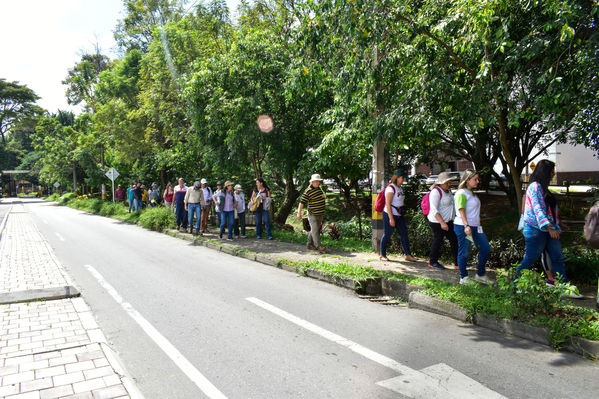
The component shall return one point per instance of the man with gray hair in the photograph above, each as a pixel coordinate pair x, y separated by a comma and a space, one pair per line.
194, 198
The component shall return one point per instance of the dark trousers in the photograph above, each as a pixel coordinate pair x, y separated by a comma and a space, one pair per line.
402, 229
239, 222
437, 244
181, 215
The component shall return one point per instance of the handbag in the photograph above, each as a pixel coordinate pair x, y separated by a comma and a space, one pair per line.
267, 203
255, 203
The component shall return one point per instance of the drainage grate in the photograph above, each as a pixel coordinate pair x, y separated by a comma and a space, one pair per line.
384, 300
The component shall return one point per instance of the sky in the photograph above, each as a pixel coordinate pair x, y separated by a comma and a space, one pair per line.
43, 39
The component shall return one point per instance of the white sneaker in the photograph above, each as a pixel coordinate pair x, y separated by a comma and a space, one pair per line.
483, 279
573, 294
465, 280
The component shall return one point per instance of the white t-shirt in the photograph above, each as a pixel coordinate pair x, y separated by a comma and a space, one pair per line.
240, 198
441, 204
398, 199
472, 208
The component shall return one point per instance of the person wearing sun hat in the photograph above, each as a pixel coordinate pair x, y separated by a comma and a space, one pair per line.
205, 205
440, 218
314, 199
227, 208
393, 216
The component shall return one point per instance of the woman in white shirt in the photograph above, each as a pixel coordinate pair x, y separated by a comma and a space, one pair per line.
440, 218
392, 217
468, 229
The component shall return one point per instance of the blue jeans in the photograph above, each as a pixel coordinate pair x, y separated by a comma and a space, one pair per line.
260, 215
481, 241
136, 205
537, 241
181, 214
227, 218
130, 205
402, 229
197, 210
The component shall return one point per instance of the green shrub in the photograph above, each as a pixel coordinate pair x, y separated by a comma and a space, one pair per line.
582, 264
111, 209
351, 228
52, 197
157, 219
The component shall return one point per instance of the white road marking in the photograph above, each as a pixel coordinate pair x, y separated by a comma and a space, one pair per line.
412, 383
60, 237
173, 353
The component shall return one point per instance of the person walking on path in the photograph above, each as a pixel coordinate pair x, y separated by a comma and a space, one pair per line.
542, 227
168, 196
215, 196
194, 198
240, 212
227, 205
440, 218
393, 217
180, 213
119, 194
469, 230
206, 205
259, 196
314, 199
130, 196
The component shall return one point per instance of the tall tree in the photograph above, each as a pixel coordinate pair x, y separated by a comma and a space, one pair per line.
16, 103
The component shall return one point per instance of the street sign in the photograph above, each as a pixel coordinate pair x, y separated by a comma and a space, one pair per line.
533, 166
112, 174
56, 184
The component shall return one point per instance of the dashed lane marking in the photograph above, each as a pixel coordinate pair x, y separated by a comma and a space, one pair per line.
169, 349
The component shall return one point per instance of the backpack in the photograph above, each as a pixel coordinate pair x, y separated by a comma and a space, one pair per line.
379, 204
425, 204
591, 226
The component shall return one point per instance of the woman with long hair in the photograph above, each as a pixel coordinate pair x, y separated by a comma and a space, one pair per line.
260, 193
541, 223
468, 229
227, 206
393, 216
168, 196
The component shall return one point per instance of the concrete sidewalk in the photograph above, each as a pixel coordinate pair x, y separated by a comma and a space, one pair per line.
49, 348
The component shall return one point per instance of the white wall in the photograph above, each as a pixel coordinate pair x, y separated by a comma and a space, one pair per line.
569, 158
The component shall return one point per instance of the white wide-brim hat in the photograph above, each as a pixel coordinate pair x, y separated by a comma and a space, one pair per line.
315, 177
444, 177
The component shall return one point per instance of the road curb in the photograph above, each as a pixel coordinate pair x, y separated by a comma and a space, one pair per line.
418, 300
3, 222
40, 294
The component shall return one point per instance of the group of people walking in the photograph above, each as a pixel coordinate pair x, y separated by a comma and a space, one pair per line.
457, 219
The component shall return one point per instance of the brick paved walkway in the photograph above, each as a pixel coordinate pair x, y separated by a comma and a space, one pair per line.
49, 349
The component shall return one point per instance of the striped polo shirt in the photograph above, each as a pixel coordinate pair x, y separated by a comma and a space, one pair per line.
314, 198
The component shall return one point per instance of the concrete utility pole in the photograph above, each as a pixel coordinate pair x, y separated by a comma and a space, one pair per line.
378, 184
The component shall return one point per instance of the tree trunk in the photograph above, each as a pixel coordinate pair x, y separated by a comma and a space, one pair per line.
507, 154
291, 195
74, 177
163, 177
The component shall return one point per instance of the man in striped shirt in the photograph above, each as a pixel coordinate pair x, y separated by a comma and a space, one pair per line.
314, 199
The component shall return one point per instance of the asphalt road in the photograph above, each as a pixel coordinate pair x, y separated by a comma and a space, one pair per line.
299, 338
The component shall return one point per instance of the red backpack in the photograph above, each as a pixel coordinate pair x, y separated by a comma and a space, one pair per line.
379, 205
426, 201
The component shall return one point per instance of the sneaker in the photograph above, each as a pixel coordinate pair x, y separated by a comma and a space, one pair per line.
270, 238
437, 266
258, 237
244, 237
237, 237
550, 283
456, 267
220, 236
229, 239
465, 280
483, 279
311, 247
